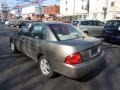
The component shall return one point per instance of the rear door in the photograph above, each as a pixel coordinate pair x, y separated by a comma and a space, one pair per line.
24, 34
36, 40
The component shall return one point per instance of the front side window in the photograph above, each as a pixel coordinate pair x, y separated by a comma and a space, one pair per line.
84, 23
65, 31
39, 32
24, 31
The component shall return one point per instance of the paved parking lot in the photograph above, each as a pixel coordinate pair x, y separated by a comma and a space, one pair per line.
18, 72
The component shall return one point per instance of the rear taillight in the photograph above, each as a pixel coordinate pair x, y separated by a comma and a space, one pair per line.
75, 58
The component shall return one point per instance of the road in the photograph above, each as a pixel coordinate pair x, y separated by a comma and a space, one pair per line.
18, 72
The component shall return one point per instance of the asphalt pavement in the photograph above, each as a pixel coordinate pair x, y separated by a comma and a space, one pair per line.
19, 72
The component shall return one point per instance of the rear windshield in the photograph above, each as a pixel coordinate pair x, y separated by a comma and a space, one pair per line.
65, 31
112, 24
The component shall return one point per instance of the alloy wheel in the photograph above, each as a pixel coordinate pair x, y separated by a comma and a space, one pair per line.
12, 46
45, 68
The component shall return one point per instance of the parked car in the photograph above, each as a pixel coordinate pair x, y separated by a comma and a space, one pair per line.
23, 23
2, 21
112, 31
90, 27
11, 23
59, 48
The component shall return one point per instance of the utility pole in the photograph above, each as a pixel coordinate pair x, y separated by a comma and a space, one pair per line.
74, 10
105, 9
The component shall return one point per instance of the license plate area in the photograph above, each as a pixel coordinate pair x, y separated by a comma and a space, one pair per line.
93, 52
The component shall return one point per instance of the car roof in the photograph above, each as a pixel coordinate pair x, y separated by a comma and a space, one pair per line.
49, 23
86, 20
114, 20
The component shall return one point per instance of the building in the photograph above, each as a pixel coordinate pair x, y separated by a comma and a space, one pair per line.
51, 10
104, 9
29, 10
97, 9
113, 9
74, 9
90, 9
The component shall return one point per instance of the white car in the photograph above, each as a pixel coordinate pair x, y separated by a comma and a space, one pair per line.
90, 27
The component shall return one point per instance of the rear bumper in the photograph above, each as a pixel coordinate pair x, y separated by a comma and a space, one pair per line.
77, 71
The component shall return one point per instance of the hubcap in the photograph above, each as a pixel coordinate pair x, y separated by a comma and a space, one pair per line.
45, 68
12, 47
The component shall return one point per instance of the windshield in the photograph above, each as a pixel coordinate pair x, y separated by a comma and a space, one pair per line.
112, 24
65, 31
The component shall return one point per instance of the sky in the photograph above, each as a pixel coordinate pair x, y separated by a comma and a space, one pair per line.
12, 3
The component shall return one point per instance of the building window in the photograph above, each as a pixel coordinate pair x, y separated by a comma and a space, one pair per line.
82, 7
66, 2
85, 16
112, 4
95, 16
66, 9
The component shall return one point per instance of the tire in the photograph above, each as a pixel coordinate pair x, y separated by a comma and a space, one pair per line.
45, 67
13, 48
11, 25
86, 32
17, 26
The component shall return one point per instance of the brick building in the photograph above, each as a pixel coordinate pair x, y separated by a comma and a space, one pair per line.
51, 10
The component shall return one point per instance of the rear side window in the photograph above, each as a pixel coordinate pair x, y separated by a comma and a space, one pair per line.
92, 23
39, 32
84, 23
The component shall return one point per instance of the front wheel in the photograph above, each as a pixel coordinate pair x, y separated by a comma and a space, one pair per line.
12, 47
86, 33
46, 68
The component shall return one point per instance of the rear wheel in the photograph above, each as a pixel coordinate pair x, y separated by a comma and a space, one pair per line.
46, 68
